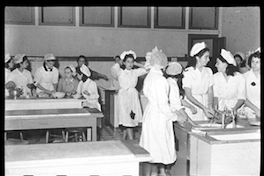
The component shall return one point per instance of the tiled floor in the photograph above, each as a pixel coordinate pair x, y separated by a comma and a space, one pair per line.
104, 134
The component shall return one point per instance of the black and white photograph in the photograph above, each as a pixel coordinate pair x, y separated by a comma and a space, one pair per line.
132, 90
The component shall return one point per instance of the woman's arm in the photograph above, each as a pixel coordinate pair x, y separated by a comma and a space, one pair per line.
249, 104
239, 103
209, 113
43, 89
188, 105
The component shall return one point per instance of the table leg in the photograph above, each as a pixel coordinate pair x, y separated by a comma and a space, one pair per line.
94, 130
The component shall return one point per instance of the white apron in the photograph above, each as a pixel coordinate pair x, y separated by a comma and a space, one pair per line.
46, 82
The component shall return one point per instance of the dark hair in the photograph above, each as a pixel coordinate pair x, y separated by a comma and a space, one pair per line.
81, 56
7, 63
78, 71
192, 60
23, 60
127, 56
243, 62
256, 54
117, 56
230, 69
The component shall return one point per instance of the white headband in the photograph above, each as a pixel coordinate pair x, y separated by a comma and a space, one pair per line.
228, 57
197, 48
18, 58
122, 56
85, 70
7, 57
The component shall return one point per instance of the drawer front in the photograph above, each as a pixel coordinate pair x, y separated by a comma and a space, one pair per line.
12, 125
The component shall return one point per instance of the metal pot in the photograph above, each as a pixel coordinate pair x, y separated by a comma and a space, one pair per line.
15, 93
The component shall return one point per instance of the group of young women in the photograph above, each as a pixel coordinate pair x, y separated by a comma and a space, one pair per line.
177, 94
76, 82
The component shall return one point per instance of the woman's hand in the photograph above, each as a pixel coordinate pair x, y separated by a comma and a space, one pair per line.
86, 92
208, 113
193, 110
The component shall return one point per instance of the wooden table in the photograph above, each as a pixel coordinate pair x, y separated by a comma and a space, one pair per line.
53, 118
102, 158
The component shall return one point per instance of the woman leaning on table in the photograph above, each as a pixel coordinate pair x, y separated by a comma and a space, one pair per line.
46, 77
198, 83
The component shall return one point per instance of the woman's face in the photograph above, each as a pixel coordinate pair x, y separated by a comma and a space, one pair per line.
50, 63
81, 61
24, 64
255, 64
238, 60
11, 63
221, 66
68, 73
129, 63
204, 59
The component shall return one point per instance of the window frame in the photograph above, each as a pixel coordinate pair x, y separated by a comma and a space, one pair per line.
56, 23
156, 24
148, 25
32, 22
81, 20
204, 28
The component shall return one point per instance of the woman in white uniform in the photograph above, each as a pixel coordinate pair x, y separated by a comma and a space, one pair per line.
87, 87
46, 77
129, 111
21, 76
252, 77
9, 65
198, 83
157, 136
229, 84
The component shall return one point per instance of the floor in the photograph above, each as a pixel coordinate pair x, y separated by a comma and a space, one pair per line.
104, 134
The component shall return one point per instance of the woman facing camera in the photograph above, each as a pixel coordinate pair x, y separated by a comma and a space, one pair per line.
252, 77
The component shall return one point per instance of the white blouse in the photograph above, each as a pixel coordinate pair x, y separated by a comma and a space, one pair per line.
21, 79
252, 88
228, 92
198, 81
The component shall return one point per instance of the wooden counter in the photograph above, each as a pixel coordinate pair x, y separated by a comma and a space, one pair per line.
84, 158
208, 154
43, 103
53, 118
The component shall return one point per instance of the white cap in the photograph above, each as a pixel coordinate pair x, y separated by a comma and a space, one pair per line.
258, 50
156, 57
18, 58
240, 54
227, 55
49, 57
197, 48
7, 57
72, 69
174, 68
122, 56
85, 70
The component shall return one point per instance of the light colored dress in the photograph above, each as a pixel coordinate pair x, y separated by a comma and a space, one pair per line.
128, 98
174, 95
7, 73
252, 91
91, 87
157, 136
21, 79
67, 86
46, 78
199, 83
228, 92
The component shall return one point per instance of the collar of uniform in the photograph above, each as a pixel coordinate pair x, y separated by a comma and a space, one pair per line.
46, 68
128, 71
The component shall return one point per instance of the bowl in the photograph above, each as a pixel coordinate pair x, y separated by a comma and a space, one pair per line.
58, 94
76, 96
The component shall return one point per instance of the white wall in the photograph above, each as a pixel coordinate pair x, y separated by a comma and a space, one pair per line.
241, 27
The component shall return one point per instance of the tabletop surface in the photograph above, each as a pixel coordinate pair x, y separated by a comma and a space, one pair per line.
17, 153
